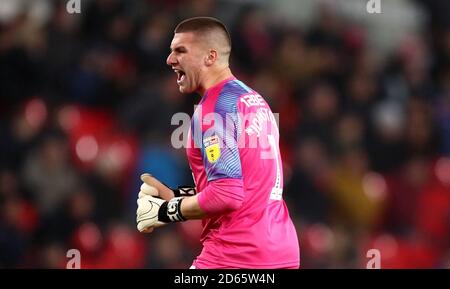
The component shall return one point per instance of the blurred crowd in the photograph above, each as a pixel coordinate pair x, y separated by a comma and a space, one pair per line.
86, 102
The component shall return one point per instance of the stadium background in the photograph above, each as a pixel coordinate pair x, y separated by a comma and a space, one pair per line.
86, 102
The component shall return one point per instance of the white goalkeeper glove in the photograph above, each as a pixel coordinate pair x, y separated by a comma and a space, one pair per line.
147, 213
155, 212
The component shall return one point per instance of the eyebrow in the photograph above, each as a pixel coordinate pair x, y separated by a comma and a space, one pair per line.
179, 49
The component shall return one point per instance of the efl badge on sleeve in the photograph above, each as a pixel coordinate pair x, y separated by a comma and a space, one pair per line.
212, 148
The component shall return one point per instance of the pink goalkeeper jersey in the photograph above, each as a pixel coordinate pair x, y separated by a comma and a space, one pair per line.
234, 155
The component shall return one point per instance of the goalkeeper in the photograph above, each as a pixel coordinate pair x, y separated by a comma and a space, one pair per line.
234, 155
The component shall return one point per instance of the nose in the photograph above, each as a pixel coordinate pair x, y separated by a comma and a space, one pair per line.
171, 59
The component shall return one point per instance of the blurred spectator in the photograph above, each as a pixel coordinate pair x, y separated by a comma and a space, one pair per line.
441, 110
386, 141
166, 251
48, 173
251, 39
306, 187
358, 194
320, 113
405, 187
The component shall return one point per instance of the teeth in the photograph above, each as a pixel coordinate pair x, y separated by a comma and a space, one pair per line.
180, 75
181, 79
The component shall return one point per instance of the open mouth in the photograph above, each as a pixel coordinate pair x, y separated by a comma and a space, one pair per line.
180, 75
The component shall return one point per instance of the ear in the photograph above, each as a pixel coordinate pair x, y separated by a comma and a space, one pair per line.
211, 58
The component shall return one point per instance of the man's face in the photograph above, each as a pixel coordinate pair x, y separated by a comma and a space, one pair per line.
187, 60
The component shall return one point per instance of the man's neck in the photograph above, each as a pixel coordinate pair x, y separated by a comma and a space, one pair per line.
214, 79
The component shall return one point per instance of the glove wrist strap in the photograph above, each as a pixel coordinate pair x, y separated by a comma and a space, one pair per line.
184, 191
171, 211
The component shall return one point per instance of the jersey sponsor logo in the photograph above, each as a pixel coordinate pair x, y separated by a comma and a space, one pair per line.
252, 99
212, 148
